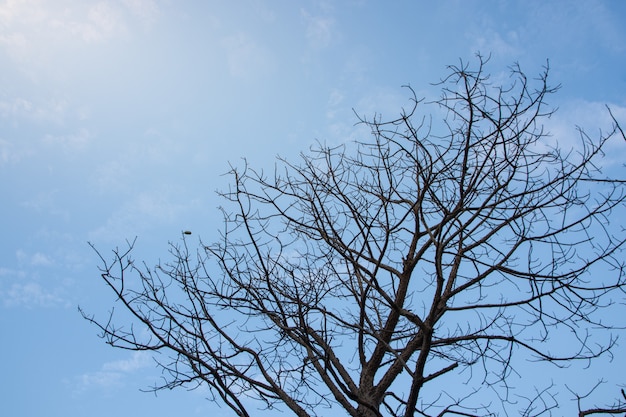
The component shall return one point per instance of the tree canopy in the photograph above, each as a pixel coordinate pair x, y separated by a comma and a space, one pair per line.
408, 274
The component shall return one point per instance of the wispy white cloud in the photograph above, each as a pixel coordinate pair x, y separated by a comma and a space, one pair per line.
33, 281
335, 99
558, 30
146, 10
387, 102
144, 154
143, 211
26, 11
112, 374
247, 59
138, 360
104, 21
30, 295
320, 30
24, 21
15, 107
45, 201
9, 153
50, 110
503, 45
36, 33
577, 24
97, 380
40, 259
594, 119
70, 142
112, 175
6, 273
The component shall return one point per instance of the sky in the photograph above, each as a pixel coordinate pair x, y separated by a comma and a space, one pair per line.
118, 119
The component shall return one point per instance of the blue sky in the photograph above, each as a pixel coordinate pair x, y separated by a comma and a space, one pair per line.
119, 117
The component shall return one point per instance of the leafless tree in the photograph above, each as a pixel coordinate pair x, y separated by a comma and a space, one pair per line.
407, 274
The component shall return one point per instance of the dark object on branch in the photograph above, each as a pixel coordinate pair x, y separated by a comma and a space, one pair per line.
355, 279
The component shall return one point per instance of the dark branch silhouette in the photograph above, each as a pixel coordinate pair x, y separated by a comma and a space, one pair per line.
367, 277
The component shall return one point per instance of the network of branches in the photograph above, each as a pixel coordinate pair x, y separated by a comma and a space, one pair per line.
412, 273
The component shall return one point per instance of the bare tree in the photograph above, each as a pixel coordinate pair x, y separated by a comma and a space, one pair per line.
407, 274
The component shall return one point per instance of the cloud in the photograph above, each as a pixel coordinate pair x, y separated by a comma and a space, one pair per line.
9, 154
104, 21
15, 107
146, 10
48, 201
16, 44
97, 380
30, 295
38, 279
141, 212
385, 102
36, 259
28, 21
39, 259
319, 30
502, 45
70, 142
577, 25
137, 361
41, 36
7, 272
333, 105
245, 57
18, 109
112, 374
30, 12
141, 159
592, 117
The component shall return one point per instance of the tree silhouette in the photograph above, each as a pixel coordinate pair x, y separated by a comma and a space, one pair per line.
407, 274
